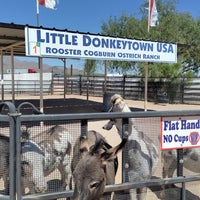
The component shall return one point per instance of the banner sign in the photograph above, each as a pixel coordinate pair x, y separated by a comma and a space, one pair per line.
180, 132
53, 43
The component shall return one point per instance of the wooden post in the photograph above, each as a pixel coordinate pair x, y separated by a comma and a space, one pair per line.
71, 70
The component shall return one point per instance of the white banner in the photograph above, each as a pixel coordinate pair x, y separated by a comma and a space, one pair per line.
180, 132
51, 43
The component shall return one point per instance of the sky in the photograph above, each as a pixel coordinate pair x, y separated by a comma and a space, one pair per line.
78, 15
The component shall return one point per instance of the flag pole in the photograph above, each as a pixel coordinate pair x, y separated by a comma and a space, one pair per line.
37, 12
149, 17
40, 65
146, 70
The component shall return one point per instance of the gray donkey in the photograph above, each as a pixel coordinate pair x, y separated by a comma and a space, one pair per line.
141, 152
30, 174
4, 161
191, 161
55, 152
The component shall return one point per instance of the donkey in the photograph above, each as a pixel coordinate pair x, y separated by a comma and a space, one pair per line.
191, 161
91, 172
143, 155
82, 147
4, 162
30, 174
32, 159
55, 145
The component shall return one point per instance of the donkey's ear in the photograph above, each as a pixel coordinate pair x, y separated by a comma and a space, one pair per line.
110, 154
83, 144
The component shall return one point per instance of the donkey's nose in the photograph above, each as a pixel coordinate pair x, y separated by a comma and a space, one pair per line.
108, 126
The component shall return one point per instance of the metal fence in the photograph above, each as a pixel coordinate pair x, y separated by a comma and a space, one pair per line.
12, 121
27, 83
159, 90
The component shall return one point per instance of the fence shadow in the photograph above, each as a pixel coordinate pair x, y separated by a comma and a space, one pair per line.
171, 192
64, 106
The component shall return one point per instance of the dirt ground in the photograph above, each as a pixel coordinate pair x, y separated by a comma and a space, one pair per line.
131, 103
151, 126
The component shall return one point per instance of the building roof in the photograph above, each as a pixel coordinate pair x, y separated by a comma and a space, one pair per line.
12, 37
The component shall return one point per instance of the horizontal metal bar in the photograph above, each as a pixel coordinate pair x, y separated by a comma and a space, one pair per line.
102, 115
151, 182
4, 118
49, 196
4, 197
118, 187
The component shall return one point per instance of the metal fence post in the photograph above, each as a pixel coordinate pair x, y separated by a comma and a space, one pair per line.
17, 154
180, 170
179, 162
125, 151
18, 157
84, 127
80, 84
124, 86
12, 155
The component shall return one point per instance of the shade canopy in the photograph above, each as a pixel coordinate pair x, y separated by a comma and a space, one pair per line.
12, 37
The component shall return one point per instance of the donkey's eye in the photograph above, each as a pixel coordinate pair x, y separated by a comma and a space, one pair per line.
82, 150
94, 185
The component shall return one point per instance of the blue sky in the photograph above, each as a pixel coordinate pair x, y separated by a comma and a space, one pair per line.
77, 15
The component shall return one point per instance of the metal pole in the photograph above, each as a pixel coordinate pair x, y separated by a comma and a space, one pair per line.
13, 76
105, 76
18, 156
125, 167
12, 148
2, 77
180, 170
41, 84
146, 86
84, 128
65, 78
87, 84
37, 12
